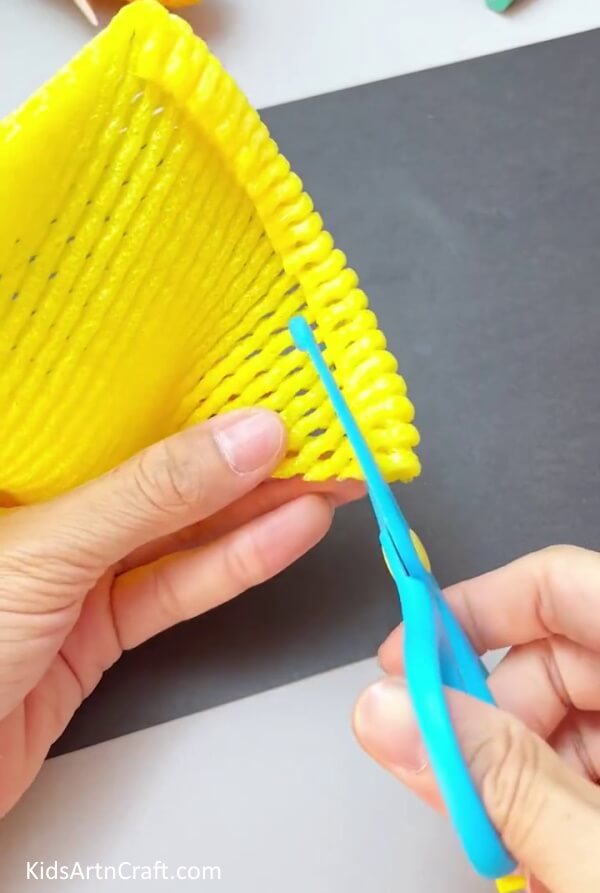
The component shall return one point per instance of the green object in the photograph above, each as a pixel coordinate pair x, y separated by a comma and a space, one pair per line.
499, 5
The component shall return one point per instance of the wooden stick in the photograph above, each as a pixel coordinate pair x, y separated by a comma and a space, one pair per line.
86, 9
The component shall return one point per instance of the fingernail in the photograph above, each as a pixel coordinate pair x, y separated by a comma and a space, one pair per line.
250, 440
386, 726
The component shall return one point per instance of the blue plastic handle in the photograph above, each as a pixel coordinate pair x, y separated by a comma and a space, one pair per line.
438, 654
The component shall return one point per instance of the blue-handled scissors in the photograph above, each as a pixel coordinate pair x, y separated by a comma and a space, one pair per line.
437, 652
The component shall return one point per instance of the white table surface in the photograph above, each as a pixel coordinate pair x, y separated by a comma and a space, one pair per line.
280, 50
272, 789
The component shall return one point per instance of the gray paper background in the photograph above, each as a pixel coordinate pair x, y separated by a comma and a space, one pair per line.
468, 199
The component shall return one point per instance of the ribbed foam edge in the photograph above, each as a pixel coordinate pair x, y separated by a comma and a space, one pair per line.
179, 63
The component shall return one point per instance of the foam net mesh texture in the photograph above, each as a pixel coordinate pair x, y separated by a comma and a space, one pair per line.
153, 246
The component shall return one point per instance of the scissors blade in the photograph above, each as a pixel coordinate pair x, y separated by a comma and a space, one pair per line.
305, 341
387, 511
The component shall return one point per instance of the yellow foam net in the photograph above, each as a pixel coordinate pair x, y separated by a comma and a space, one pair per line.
153, 246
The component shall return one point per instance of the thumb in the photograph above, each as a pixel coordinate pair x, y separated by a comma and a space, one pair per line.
548, 816
70, 542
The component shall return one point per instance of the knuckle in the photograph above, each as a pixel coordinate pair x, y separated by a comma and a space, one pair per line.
554, 566
166, 481
508, 762
38, 576
586, 756
16, 587
165, 594
15, 565
245, 562
555, 561
38, 599
549, 651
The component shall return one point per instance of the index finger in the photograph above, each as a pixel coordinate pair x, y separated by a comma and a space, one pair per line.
555, 592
